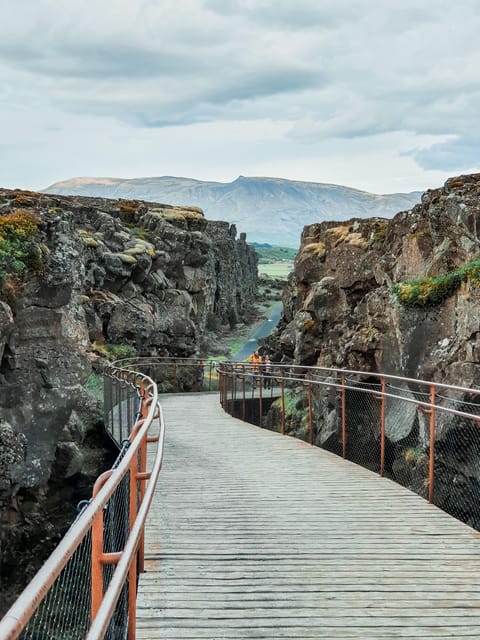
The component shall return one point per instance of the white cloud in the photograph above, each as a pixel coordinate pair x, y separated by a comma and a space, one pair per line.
265, 85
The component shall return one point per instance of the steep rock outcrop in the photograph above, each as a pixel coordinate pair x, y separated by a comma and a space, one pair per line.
339, 309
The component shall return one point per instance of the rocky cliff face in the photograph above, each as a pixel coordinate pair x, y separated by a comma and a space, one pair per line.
401, 297
340, 308
80, 276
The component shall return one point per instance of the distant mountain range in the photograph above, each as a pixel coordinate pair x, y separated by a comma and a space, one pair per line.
270, 210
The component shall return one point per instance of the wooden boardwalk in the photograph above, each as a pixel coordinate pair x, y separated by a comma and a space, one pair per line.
254, 535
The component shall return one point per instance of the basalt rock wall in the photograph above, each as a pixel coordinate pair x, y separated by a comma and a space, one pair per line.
339, 308
109, 275
112, 273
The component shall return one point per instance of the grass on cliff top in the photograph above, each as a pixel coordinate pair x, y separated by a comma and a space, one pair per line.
19, 250
425, 292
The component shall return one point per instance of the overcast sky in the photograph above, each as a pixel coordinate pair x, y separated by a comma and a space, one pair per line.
383, 95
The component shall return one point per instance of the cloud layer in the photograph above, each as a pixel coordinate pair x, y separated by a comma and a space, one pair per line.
302, 77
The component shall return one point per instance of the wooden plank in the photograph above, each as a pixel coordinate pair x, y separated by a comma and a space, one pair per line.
255, 535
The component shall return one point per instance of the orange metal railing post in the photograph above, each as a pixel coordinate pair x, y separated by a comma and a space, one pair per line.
227, 389
220, 385
224, 387
382, 430
431, 460
97, 565
97, 554
142, 474
282, 402
260, 399
234, 392
132, 575
243, 393
344, 421
309, 405
144, 404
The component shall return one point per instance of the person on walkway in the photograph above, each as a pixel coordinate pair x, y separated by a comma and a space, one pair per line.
267, 370
256, 360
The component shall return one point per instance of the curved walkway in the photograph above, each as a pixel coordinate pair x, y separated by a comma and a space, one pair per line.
254, 535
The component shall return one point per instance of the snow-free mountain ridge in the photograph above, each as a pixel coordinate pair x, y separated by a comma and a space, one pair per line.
272, 210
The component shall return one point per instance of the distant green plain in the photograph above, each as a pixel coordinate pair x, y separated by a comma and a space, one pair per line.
270, 253
276, 269
275, 262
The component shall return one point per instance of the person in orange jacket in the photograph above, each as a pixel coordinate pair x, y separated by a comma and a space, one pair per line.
256, 360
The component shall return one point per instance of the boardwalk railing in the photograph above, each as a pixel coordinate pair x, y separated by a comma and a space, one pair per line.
87, 588
424, 435
175, 374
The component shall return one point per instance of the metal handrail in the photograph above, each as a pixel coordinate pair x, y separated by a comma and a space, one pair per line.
424, 396
240, 370
15, 620
207, 366
338, 372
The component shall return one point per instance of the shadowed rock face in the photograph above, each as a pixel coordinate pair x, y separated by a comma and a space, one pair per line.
339, 311
133, 273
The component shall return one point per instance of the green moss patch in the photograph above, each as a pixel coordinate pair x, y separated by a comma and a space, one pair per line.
19, 250
425, 292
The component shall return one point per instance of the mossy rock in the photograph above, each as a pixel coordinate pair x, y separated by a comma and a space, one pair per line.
19, 249
430, 291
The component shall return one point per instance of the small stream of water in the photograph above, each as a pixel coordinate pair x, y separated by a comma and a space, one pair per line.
264, 330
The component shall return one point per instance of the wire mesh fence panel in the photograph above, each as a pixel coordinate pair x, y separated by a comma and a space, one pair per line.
122, 404
362, 431
326, 417
407, 439
64, 613
423, 435
116, 527
77, 588
108, 396
457, 467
